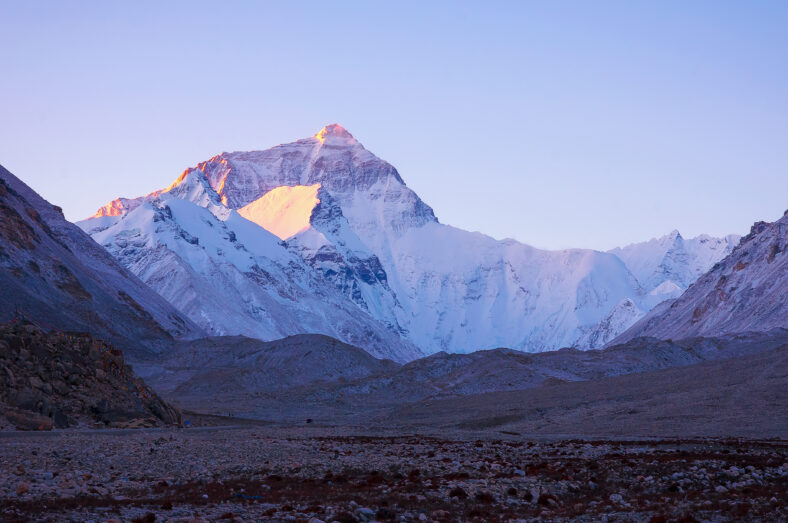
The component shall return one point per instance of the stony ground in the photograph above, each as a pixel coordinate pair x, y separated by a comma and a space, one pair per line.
276, 474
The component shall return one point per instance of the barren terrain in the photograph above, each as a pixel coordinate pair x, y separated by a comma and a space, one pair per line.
299, 473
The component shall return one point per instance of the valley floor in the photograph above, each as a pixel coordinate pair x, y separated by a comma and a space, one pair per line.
268, 473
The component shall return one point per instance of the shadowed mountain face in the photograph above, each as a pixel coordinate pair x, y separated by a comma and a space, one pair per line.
54, 274
746, 291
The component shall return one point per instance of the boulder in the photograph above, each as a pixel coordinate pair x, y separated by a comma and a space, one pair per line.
27, 420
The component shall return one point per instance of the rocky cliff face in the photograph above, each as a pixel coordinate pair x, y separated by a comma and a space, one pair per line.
746, 291
69, 379
378, 247
54, 273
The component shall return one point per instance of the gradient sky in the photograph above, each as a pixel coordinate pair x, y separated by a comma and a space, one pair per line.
560, 124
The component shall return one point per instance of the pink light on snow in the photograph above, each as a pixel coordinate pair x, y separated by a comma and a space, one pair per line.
284, 211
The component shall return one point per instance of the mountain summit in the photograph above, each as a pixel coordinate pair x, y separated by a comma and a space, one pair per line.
336, 133
322, 236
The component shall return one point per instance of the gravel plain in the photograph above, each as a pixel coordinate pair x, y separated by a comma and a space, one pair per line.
309, 473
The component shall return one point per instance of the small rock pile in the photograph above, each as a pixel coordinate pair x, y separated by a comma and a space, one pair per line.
57, 379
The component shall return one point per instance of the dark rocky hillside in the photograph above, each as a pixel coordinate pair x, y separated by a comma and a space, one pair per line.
210, 367
311, 376
58, 379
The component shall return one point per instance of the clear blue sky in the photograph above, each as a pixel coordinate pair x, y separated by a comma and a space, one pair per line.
560, 124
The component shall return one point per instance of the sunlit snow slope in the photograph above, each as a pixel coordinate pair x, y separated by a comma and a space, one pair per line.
284, 211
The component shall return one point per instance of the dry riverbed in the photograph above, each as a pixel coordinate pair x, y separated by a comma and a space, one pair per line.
303, 474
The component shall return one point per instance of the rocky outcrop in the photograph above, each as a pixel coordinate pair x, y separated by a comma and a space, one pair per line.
60, 379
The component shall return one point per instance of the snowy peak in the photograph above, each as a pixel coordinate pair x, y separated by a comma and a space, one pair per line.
672, 261
335, 134
743, 292
371, 192
116, 207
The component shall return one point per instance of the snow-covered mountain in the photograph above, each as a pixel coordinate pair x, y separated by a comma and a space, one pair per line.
322, 236
666, 266
746, 292
54, 274
232, 276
